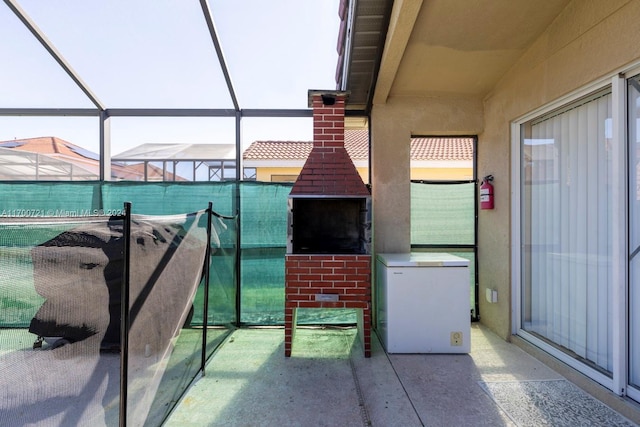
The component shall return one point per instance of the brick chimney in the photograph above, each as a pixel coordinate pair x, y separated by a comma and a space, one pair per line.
329, 171
328, 261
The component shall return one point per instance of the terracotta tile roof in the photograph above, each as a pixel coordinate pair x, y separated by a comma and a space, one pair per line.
442, 149
356, 142
278, 150
357, 145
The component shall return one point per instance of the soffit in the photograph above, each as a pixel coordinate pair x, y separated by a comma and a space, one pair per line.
445, 47
464, 47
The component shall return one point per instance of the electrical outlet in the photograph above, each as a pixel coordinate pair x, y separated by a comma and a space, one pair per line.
491, 295
456, 339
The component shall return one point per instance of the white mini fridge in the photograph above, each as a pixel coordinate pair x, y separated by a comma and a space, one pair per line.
422, 303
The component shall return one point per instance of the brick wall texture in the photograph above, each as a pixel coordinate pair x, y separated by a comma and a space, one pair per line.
347, 278
329, 171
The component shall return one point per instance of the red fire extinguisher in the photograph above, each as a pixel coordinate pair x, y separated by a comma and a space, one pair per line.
486, 193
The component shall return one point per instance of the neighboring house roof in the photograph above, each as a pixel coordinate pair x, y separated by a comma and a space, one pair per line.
356, 142
48, 145
186, 152
442, 149
136, 172
24, 165
51, 147
65, 152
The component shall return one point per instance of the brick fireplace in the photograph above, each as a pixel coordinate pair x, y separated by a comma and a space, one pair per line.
328, 261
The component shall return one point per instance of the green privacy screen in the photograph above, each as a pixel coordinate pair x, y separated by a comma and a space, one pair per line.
443, 220
37, 199
264, 234
441, 214
263, 225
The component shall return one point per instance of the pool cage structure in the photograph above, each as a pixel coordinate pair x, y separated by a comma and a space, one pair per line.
225, 161
107, 319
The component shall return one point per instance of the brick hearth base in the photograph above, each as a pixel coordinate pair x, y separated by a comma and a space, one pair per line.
328, 281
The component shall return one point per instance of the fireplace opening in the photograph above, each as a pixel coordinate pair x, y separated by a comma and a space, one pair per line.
328, 226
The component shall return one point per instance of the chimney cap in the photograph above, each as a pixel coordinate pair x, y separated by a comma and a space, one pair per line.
331, 93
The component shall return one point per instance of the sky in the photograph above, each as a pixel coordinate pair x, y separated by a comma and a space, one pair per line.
158, 54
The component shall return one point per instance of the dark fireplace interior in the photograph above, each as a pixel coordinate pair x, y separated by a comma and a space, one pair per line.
328, 225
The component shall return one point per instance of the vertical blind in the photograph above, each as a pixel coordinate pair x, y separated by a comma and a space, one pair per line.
567, 230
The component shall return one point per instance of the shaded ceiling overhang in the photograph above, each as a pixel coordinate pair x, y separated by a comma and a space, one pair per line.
434, 49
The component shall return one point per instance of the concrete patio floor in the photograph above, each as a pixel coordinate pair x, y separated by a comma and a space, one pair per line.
328, 382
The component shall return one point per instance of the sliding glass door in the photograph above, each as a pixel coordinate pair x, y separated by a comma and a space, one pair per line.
567, 230
579, 299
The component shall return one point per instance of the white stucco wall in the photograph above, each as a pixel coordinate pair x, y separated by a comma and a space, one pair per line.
588, 41
393, 124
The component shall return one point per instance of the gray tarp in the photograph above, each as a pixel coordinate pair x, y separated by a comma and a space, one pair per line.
79, 273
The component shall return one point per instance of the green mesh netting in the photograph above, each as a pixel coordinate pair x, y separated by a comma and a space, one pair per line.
169, 198
441, 214
444, 214
81, 199
48, 199
264, 235
264, 216
90, 198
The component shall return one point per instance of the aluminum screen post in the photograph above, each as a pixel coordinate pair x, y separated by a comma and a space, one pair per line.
238, 263
124, 315
207, 268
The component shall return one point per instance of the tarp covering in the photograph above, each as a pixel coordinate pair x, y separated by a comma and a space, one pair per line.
167, 257
65, 285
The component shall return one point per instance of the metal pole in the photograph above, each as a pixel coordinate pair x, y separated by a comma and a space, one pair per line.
105, 146
238, 263
124, 316
207, 269
237, 210
55, 54
206, 11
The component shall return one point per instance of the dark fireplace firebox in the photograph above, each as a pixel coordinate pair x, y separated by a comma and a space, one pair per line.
328, 225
